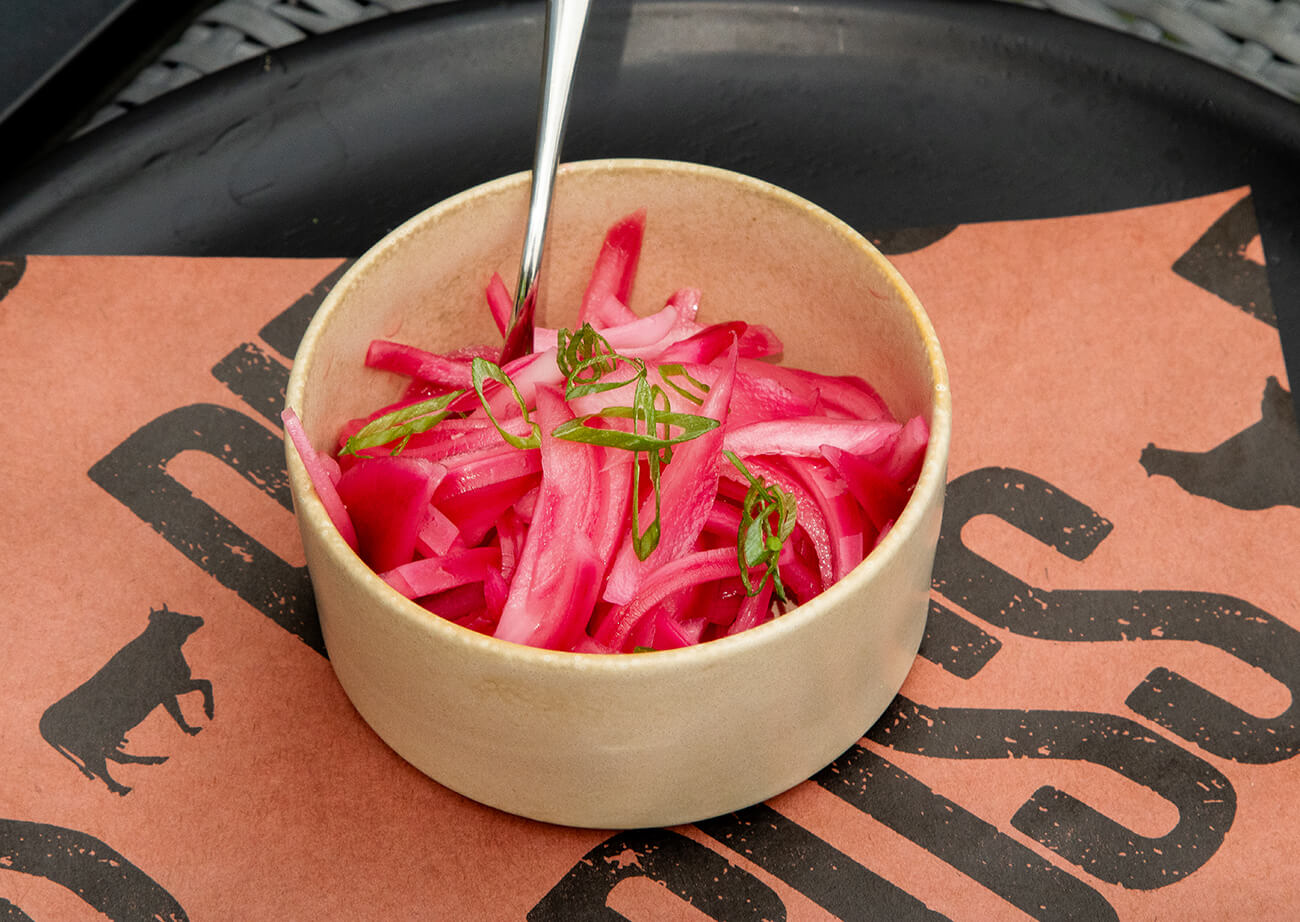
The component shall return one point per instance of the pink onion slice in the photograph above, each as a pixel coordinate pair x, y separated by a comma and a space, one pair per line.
805, 436
880, 496
323, 471
557, 577
604, 303
438, 370
499, 302
432, 575
681, 573
386, 498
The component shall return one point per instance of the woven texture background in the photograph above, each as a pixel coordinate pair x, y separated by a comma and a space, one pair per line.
1257, 39
234, 30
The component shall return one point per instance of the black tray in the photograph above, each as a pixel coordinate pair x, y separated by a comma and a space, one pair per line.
902, 114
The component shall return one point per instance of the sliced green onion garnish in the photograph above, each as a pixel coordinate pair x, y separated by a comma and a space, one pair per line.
482, 370
400, 424
645, 542
758, 541
668, 372
578, 430
585, 358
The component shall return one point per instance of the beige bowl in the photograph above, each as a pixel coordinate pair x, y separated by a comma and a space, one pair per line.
652, 739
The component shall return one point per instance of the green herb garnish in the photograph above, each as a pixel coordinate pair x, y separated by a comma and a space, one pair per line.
668, 372
585, 358
759, 540
483, 370
400, 424
579, 430
645, 410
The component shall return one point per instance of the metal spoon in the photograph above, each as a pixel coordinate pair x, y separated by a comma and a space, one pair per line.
565, 20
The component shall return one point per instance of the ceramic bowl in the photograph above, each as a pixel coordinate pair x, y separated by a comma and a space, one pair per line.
647, 739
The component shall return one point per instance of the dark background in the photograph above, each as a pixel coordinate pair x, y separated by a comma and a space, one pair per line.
61, 60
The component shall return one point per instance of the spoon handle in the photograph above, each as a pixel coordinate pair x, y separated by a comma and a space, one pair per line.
565, 20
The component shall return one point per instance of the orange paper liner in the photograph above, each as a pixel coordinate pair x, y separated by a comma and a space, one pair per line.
1101, 725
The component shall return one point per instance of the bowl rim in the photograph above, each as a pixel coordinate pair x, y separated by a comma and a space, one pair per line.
930, 485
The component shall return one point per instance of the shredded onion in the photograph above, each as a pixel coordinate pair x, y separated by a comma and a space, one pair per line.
620, 525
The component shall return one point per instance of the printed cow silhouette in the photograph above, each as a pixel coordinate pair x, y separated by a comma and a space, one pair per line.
1257, 468
89, 725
